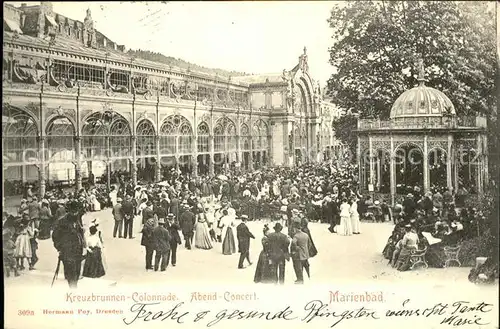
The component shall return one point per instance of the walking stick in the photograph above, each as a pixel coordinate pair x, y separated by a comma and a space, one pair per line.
57, 271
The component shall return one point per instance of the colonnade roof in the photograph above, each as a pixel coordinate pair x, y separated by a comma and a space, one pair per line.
72, 47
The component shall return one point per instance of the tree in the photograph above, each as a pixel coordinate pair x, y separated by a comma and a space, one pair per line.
377, 45
344, 127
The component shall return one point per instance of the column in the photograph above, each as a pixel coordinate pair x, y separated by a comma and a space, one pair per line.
41, 167
78, 164
372, 164
479, 165
250, 151
393, 173
449, 181
158, 176
108, 163
361, 163
269, 150
426, 166
133, 164
238, 148
211, 155
485, 160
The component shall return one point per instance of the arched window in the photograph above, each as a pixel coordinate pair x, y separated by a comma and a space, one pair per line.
101, 126
60, 140
245, 138
145, 133
185, 139
119, 138
203, 138
219, 138
225, 135
19, 133
231, 138
176, 135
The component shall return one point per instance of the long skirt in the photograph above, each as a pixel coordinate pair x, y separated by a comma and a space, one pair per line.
228, 245
435, 255
202, 236
345, 226
263, 270
312, 247
403, 262
94, 267
355, 223
23, 246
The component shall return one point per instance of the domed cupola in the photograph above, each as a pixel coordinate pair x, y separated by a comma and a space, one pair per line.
422, 101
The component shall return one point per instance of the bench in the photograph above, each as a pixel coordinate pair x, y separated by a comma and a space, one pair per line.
451, 253
417, 257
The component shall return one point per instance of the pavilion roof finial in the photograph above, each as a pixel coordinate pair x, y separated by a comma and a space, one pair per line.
421, 71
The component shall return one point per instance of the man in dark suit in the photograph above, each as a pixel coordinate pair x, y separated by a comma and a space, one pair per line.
187, 221
173, 228
128, 211
300, 253
68, 238
162, 247
278, 253
243, 234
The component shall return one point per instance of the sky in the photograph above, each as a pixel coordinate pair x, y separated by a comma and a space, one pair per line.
253, 37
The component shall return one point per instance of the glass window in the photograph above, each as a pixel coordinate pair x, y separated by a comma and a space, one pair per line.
145, 142
203, 138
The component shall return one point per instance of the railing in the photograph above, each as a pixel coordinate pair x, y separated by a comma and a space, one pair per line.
423, 122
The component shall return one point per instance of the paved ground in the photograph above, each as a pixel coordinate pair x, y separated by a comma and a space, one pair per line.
353, 259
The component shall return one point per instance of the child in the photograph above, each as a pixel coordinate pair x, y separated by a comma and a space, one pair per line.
9, 247
23, 245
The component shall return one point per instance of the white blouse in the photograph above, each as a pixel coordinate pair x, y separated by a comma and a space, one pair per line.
94, 241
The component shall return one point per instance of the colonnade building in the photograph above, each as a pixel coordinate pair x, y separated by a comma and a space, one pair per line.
76, 105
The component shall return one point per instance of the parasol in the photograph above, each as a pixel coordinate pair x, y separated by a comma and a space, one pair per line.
222, 177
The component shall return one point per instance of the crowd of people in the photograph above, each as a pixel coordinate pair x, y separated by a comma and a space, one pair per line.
429, 224
212, 212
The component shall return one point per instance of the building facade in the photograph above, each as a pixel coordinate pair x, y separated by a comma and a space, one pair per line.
425, 145
76, 105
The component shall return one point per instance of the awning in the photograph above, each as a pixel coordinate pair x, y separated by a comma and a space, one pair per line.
51, 21
13, 26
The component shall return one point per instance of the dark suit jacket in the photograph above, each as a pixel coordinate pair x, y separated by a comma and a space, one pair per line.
174, 207
243, 234
187, 221
128, 208
173, 229
278, 246
162, 239
300, 246
147, 214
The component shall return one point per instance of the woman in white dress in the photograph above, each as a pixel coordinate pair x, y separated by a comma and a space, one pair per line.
354, 216
94, 204
202, 236
94, 266
217, 225
345, 218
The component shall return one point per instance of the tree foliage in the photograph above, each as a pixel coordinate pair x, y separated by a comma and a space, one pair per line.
377, 45
344, 127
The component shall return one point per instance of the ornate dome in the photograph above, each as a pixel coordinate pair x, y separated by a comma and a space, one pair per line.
422, 101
